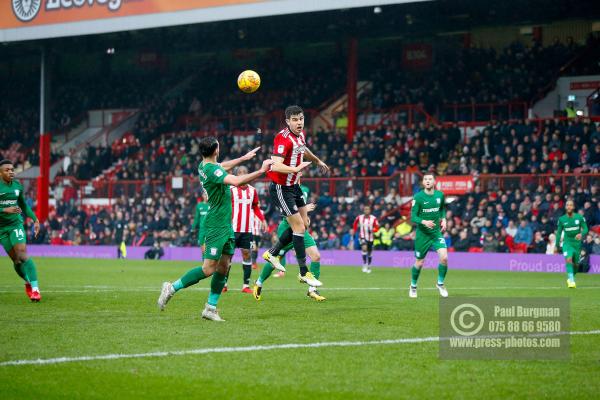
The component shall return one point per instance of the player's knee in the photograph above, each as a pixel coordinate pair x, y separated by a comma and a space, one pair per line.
419, 263
21, 257
444, 260
300, 230
315, 257
569, 261
246, 254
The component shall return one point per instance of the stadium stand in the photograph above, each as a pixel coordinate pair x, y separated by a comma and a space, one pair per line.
164, 143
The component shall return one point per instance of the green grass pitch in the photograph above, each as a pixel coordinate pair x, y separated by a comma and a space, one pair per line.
103, 307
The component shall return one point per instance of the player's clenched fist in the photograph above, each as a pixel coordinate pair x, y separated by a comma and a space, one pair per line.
266, 165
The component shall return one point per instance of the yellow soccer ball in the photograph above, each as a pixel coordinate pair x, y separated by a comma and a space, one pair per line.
249, 81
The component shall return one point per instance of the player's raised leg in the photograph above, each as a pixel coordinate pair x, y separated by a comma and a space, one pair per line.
188, 279
266, 272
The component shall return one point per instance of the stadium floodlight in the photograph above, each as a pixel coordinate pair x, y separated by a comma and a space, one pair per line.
377, 10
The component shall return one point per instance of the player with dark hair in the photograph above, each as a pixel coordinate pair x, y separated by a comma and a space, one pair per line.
289, 149
575, 228
12, 232
365, 225
429, 214
220, 240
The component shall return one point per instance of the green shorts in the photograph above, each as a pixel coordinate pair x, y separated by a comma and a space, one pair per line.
424, 242
570, 251
12, 235
308, 240
201, 237
218, 241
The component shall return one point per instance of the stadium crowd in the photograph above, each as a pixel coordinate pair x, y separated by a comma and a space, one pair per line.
470, 75
520, 220
519, 147
164, 143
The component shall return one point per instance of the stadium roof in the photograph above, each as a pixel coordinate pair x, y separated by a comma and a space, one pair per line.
41, 19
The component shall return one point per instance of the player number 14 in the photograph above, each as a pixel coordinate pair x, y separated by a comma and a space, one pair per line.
19, 233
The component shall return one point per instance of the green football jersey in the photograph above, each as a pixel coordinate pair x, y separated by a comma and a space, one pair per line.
571, 226
200, 216
11, 195
428, 207
305, 193
219, 195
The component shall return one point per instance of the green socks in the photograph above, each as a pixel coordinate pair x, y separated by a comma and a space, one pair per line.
570, 272
415, 272
265, 273
216, 287
442, 270
28, 267
19, 270
315, 269
190, 278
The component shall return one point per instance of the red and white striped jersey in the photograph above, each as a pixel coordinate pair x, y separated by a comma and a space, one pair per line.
366, 226
291, 148
256, 230
245, 208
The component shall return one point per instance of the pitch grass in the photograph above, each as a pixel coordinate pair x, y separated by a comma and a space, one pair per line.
95, 307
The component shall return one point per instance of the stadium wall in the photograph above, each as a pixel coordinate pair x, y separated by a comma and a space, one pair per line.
511, 262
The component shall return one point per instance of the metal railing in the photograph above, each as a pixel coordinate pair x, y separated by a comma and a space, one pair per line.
481, 112
490, 182
406, 183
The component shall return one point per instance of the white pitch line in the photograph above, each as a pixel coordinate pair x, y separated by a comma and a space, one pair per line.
285, 346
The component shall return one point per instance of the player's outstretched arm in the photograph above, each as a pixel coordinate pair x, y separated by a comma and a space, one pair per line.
279, 166
247, 178
231, 164
312, 157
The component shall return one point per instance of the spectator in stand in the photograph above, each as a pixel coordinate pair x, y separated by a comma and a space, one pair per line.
539, 245
550, 247
511, 229
480, 220
462, 244
596, 245
402, 236
524, 233
490, 243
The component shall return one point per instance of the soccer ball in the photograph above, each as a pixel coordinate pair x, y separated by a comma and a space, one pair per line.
249, 81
